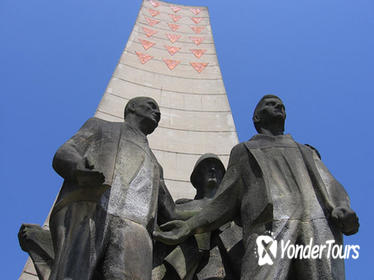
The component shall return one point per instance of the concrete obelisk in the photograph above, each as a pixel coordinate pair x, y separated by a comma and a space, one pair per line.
171, 57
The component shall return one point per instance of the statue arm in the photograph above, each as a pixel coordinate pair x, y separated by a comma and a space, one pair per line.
167, 210
342, 215
166, 205
334, 189
224, 206
71, 153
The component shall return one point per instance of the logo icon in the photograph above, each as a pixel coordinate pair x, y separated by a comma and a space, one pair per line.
266, 249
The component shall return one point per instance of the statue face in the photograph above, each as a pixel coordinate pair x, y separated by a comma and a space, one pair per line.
272, 108
148, 109
212, 174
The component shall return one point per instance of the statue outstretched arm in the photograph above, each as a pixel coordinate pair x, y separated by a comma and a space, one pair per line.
223, 208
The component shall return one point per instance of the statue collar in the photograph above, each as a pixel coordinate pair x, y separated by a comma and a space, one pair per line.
134, 134
263, 141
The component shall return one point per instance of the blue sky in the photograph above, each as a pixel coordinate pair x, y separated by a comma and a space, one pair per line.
56, 58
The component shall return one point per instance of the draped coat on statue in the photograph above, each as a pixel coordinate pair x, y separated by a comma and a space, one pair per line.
134, 189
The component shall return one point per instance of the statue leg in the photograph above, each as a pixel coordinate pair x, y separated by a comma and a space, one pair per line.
37, 242
73, 235
320, 268
279, 270
128, 254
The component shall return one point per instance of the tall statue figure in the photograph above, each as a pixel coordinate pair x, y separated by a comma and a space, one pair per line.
276, 186
102, 221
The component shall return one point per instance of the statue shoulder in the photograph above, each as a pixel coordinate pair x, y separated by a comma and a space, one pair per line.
94, 123
238, 150
313, 150
238, 154
101, 121
91, 123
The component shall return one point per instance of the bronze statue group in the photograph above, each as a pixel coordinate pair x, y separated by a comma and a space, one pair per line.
114, 218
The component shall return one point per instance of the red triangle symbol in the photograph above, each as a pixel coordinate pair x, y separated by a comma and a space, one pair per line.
175, 18
175, 9
197, 29
153, 12
196, 19
172, 50
196, 11
146, 44
199, 66
152, 21
144, 58
149, 32
198, 52
155, 4
173, 37
173, 26
197, 40
171, 63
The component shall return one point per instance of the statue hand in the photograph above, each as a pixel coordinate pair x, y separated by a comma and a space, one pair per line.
26, 234
345, 219
86, 175
88, 162
173, 232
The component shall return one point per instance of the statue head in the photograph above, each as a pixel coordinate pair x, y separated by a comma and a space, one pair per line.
269, 112
207, 175
144, 113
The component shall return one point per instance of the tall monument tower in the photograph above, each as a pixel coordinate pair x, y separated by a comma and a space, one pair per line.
170, 56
